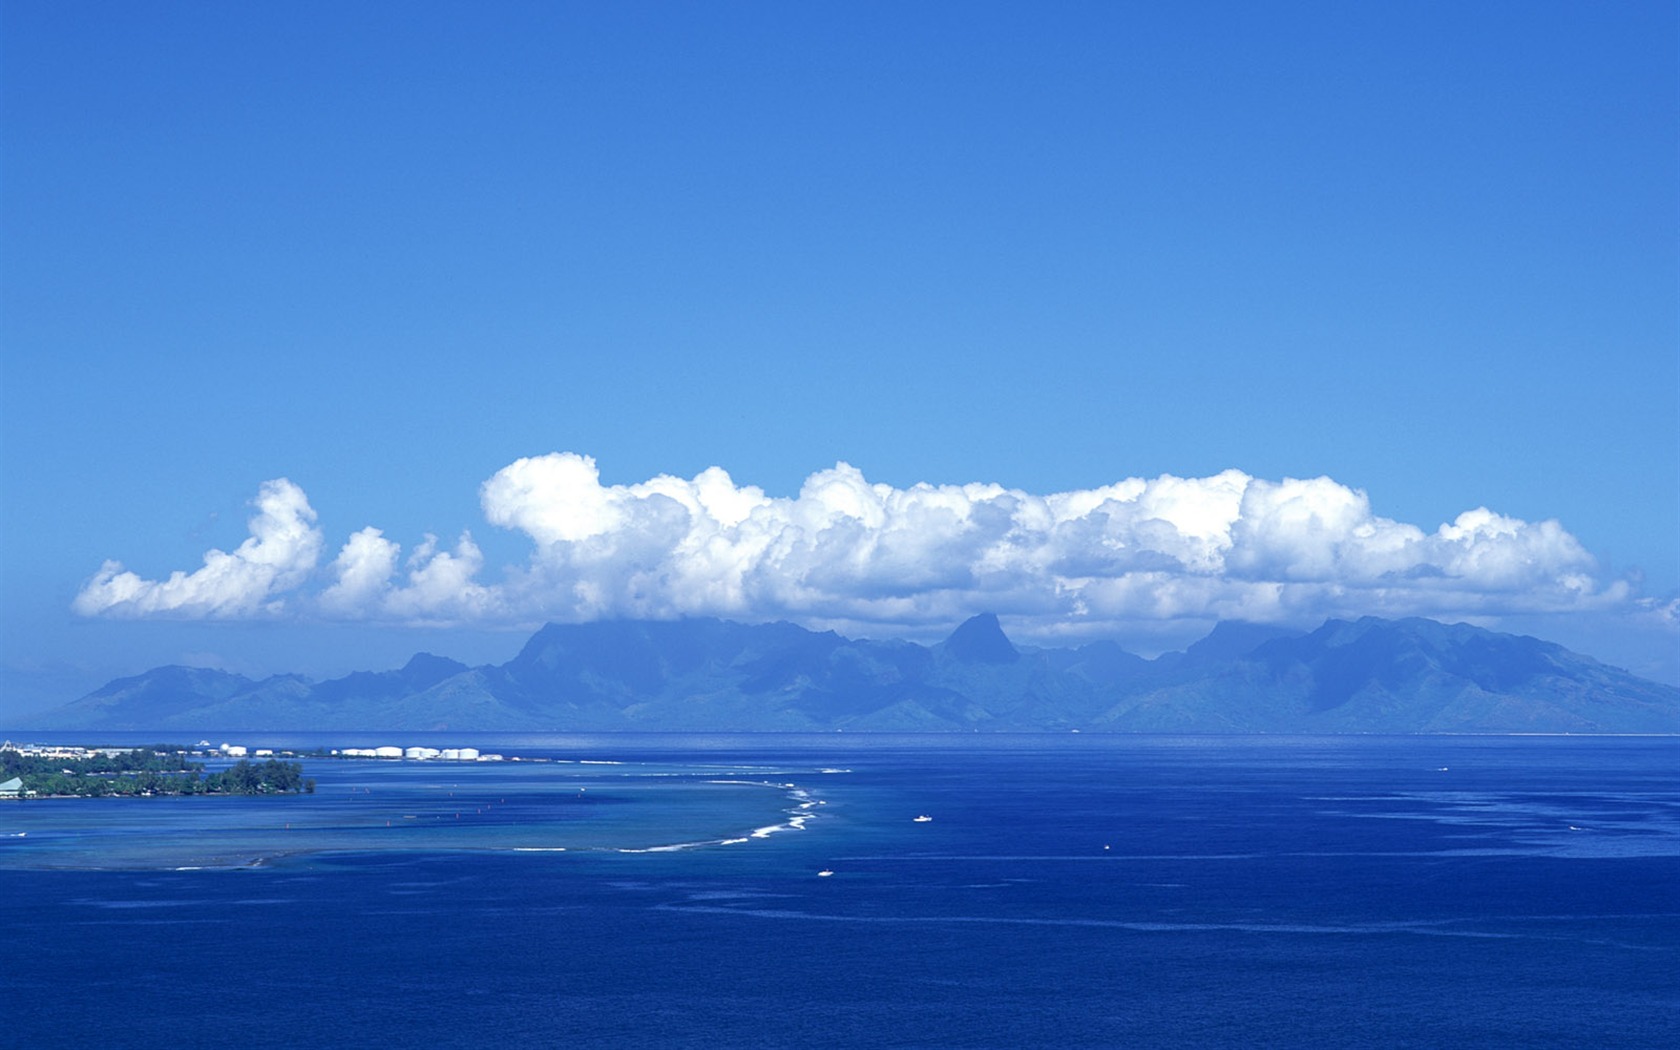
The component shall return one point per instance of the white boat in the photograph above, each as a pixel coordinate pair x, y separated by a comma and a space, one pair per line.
924, 819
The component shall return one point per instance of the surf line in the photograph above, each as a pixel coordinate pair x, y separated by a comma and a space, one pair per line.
798, 815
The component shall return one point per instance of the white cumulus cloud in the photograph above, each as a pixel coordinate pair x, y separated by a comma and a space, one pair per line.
250, 581
877, 559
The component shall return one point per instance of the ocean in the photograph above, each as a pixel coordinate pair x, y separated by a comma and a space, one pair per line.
1072, 890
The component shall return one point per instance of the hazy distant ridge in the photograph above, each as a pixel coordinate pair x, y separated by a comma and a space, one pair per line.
1369, 676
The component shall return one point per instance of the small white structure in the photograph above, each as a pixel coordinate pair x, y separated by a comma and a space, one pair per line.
422, 752
387, 752
12, 788
234, 750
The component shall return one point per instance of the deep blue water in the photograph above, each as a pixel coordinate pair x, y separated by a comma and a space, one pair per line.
1070, 891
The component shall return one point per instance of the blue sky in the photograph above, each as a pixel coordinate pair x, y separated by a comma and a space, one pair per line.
1392, 264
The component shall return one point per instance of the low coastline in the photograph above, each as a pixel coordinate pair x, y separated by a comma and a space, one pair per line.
31, 772
531, 803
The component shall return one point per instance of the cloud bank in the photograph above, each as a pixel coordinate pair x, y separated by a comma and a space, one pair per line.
875, 559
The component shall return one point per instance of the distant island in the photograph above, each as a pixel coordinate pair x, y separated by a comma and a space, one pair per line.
63, 772
706, 675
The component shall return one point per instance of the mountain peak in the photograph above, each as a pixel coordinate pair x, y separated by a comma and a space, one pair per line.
429, 669
1234, 639
980, 640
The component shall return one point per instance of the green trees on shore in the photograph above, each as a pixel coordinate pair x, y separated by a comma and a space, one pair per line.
259, 778
149, 771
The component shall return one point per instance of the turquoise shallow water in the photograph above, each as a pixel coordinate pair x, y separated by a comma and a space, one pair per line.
372, 805
1067, 892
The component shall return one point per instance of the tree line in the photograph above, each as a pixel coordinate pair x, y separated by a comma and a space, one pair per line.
150, 771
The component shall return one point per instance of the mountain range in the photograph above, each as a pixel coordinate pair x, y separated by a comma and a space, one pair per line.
1365, 676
